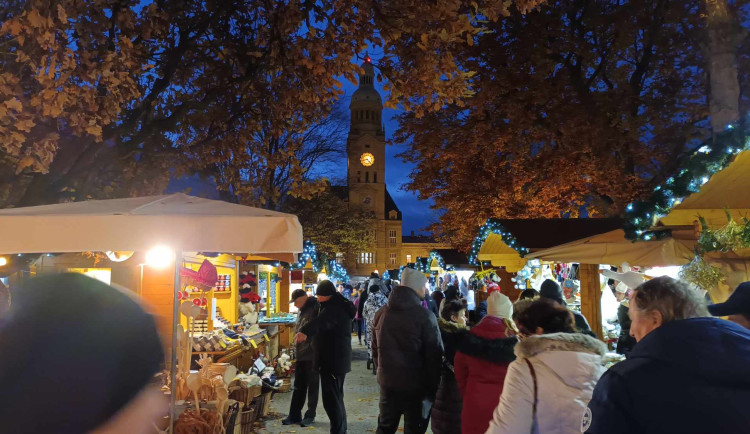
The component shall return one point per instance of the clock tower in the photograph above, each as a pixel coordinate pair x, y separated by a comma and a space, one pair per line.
366, 175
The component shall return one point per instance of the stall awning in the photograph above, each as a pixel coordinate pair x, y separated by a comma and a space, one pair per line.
727, 190
613, 248
177, 221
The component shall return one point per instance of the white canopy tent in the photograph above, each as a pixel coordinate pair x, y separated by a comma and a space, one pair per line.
180, 222
614, 249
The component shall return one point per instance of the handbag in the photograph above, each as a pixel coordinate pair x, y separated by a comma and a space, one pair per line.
533, 377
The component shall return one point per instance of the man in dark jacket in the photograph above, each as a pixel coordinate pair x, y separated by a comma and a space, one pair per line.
306, 380
407, 352
688, 374
333, 350
552, 290
429, 303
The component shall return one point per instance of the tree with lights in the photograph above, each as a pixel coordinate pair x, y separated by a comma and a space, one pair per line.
578, 106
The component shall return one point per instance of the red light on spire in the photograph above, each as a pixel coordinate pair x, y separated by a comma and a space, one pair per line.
367, 59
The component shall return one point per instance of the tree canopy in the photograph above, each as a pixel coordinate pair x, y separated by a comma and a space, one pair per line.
107, 98
579, 108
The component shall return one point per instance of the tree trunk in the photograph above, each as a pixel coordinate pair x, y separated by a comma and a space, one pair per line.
724, 87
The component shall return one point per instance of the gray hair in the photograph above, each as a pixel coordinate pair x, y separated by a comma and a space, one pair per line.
673, 299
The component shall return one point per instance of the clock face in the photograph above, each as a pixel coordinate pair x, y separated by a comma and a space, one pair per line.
367, 159
367, 200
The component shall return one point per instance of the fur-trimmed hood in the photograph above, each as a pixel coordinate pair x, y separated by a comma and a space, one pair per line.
537, 344
576, 359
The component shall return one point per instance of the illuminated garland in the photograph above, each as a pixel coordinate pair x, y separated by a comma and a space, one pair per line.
492, 226
309, 253
713, 156
424, 264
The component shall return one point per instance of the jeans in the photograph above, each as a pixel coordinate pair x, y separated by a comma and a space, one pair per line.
332, 386
394, 403
306, 385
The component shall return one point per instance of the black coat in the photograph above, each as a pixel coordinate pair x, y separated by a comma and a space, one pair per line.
432, 307
689, 377
332, 333
361, 305
406, 346
308, 312
446, 412
481, 310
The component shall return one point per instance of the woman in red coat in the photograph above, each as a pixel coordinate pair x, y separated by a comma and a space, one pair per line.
481, 362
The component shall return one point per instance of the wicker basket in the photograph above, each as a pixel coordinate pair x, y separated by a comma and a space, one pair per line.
286, 387
245, 395
266, 399
250, 415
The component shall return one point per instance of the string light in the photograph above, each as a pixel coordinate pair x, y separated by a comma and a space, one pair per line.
309, 253
492, 226
696, 170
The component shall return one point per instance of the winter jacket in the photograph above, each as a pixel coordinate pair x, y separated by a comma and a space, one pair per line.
431, 306
376, 281
567, 367
625, 342
406, 346
362, 300
446, 412
332, 331
356, 306
308, 312
690, 376
481, 310
480, 375
374, 302
582, 325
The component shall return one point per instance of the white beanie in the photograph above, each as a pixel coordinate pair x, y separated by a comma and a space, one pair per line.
499, 305
413, 279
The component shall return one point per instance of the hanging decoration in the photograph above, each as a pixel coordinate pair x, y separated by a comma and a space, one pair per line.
492, 226
425, 264
702, 274
712, 156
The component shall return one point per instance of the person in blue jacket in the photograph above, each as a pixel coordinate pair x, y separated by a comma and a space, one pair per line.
687, 374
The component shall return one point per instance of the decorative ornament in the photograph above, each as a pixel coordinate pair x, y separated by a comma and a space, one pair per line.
205, 278
702, 274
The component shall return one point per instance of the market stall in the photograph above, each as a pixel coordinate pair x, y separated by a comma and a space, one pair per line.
162, 236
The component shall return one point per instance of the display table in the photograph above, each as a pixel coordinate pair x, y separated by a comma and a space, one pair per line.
242, 356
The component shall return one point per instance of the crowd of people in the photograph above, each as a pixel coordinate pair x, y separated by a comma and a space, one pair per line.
534, 365
525, 367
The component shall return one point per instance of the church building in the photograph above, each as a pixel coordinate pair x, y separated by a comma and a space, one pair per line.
366, 185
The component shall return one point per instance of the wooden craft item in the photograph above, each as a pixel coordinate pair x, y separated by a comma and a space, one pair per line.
194, 384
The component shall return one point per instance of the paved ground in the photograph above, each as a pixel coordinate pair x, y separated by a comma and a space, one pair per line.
361, 394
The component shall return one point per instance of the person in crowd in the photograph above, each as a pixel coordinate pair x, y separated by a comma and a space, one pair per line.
333, 350
358, 320
438, 297
552, 290
529, 293
481, 361
407, 352
79, 356
361, 306
306, 376
374, 302
625, 342
428, 302
388, 288
688, 373
547, 386
481, 310
737, 306
347, 292
446, 413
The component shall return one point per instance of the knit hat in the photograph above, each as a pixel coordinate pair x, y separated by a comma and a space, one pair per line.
551, 290
89, 347
499, 305
413, 279
325, 288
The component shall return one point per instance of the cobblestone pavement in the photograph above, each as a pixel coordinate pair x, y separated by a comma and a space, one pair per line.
361, 393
